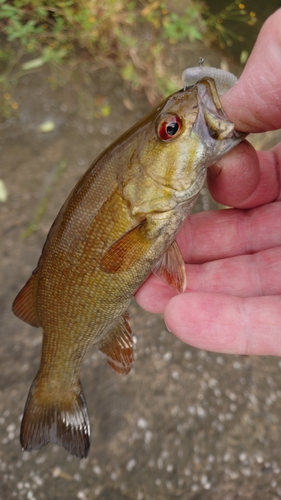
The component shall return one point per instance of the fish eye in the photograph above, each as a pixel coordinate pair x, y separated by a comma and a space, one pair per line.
169, 128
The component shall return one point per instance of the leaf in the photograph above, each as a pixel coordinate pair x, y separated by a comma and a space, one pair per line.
34, 63
47, 126
3, 192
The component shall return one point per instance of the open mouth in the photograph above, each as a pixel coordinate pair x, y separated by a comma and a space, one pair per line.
212, 125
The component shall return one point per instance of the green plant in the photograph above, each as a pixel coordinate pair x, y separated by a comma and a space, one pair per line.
180, 27
131, 34
217, 23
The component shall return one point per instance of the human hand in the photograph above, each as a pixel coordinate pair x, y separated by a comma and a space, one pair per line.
232, 302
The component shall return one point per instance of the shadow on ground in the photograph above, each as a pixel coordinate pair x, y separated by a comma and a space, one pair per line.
184, 423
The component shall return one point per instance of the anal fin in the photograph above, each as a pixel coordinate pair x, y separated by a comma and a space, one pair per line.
25, 303
171, 268
116, 348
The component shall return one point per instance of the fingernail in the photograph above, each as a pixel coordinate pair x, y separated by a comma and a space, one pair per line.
168, 328
215, 170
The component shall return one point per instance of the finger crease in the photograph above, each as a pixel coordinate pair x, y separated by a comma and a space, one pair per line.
276, 163
258, 284
244, 327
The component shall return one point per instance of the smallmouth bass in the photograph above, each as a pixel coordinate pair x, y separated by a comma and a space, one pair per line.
118, 224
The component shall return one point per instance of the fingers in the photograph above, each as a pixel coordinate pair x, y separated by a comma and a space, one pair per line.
223, 323
216, 238
243, 276
238, 176
154, 295
253, 104
214, 235
246, 178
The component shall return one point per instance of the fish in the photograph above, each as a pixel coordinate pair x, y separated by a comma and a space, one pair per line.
118, 225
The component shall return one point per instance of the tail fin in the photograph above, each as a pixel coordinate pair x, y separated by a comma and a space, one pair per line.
63, 420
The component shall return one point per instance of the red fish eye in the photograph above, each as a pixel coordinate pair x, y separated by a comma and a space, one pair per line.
169, 127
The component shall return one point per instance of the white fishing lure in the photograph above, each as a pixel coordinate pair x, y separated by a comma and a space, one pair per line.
224, 79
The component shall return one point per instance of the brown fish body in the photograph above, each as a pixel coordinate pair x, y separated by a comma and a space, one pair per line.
113, 229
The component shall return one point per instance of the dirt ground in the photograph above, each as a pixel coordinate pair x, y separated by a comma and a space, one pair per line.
185, 423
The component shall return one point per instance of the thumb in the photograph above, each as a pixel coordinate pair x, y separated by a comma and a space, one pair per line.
254, 103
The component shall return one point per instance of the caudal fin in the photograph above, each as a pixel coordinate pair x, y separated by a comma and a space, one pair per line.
63, 420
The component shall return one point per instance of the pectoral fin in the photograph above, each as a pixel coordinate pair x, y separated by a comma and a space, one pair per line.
25, 303
116, 348
171, 268
127, 250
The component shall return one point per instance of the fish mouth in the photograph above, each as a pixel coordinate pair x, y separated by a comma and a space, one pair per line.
212, 125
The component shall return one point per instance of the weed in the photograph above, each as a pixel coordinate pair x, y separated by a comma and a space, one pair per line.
131, 34
235, 12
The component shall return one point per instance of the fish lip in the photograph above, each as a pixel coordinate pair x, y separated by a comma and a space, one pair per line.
214, 148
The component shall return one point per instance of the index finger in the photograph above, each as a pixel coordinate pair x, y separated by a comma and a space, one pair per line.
213, 235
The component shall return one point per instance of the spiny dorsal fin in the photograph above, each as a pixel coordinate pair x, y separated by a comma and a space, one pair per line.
56, 417
127, 250
116, 348
171, 268
25, 303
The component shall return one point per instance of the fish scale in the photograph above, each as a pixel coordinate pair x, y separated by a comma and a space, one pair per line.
118, 224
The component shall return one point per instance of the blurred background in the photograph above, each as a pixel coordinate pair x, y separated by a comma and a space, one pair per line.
184, 423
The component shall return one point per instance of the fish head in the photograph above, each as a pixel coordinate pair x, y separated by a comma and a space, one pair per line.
191, 132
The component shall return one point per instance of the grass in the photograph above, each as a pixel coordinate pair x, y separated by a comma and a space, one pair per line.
132, 35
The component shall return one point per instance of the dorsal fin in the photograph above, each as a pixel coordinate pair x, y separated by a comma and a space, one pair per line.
25, 303
127, 250
171, 268
116, 348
